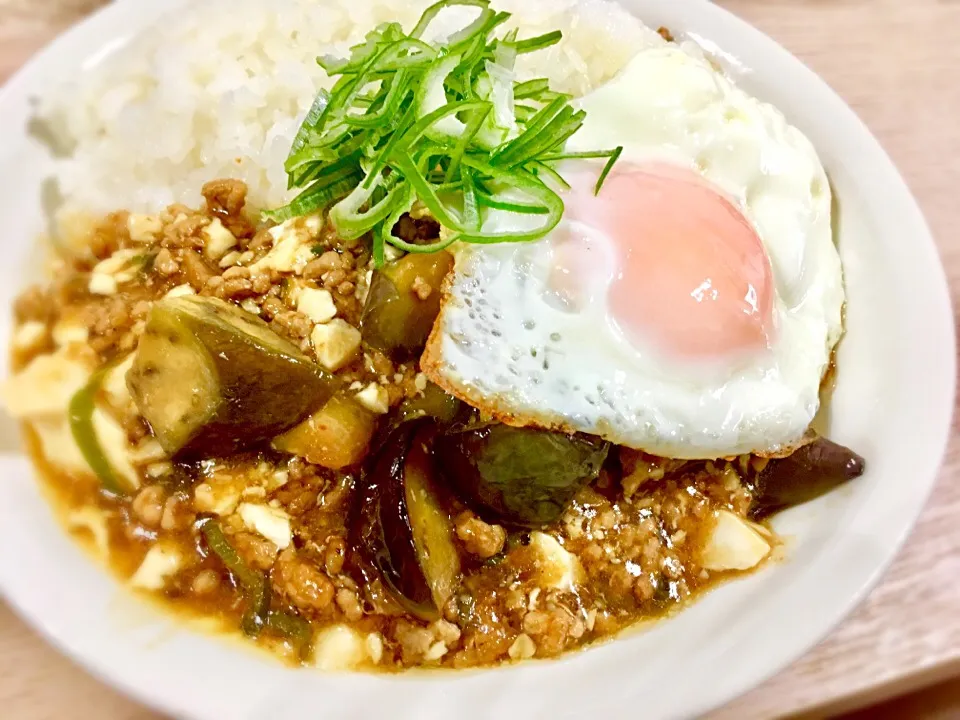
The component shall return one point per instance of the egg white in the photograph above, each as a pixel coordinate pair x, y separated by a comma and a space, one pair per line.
504, 342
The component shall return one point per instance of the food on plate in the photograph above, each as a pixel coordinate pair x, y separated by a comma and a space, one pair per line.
814, 469
429, 335
403, 302
211, 377
402, 528
520, 476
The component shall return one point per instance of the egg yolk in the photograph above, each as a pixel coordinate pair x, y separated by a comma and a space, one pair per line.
692, 275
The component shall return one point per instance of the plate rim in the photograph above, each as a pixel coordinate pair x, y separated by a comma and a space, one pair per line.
157, 699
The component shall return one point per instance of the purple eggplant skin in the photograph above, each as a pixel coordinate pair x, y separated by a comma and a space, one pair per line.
812, 471
409, 547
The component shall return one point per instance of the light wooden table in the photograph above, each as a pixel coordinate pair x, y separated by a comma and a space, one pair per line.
897, 64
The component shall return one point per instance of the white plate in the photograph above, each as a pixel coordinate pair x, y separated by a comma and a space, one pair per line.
893, 404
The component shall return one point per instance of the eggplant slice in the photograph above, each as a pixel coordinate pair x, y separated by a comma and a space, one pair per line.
523, 477
403, 302
400, 528
813, 470
213, 378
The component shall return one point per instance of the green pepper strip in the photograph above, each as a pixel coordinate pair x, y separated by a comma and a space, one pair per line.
256, 590
257, 593
293, 628
80, 413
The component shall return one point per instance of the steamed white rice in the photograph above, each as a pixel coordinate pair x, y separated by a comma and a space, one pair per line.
219, 89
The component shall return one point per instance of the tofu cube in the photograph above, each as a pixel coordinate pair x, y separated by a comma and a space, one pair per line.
144, 228
116, 448
115, 386
160, 563
231, 258
271, 523
122, 266
374, 398
93, 521
58, 446
29, 335
180, 291
45, 386
316, 304
558, 568
219, 498
282, 257
339, 648
102, 284
68, 333
219, 240
336, 344
733, 544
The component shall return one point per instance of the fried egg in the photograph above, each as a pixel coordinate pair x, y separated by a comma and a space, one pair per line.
690, 309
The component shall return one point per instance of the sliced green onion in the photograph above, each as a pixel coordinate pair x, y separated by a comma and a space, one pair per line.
473, 127
432, 98
384, 234
541, 168
351, 222
383, 155
424, 124
555, 134
430, 14
445, 123
492, 22
607, 168
388, 105
531, 88
428, 248
310, 172
539, 43
471, 206
317, 197
531, 135
533, 188
519, 208
424, 190
310, 121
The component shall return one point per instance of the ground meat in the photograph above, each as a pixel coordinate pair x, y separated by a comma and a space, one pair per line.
148, 505
196, 272
226, 200
415, 641
479, 538
335, 555
349, 604
553, 630
205, 582
185, 229
292, 324
332, 278
33, 304
258, 552
330, 260
165, 264
108, 321
634, 535
178, 513
419, 231
422, 288
301, 582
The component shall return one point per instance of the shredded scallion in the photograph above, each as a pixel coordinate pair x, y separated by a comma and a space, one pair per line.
440, 123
